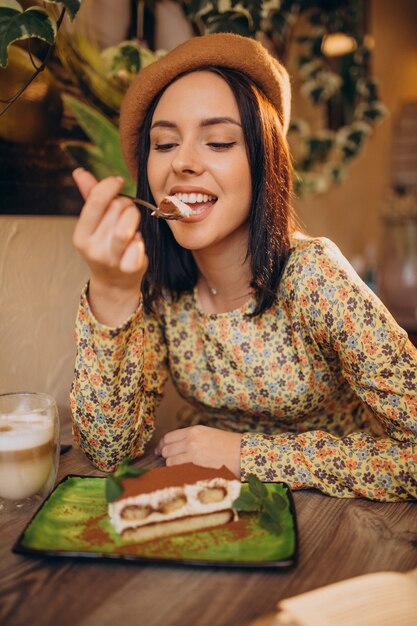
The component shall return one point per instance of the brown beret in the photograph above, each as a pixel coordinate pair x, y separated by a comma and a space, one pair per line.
223, 49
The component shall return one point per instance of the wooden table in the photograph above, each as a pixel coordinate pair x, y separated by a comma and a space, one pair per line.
338, 539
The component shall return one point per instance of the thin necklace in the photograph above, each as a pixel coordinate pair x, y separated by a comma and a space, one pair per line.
215, 292
212, 290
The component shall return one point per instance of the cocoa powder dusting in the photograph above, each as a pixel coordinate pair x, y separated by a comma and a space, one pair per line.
93, 534
176, 476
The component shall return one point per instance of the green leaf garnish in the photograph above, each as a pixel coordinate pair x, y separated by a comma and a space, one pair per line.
270, 523
257, 487
125, 470
269, 506
279, 501
246, 502
113, 486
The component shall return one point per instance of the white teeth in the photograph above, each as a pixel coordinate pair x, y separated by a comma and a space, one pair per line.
192, 198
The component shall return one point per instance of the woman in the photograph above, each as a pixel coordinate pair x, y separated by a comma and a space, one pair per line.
295, 369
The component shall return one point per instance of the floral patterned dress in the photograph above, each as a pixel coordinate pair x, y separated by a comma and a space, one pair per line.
323, 385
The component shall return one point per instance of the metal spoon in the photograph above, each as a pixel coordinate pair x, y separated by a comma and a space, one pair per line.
156, 210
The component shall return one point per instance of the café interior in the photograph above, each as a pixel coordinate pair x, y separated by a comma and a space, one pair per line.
355, 182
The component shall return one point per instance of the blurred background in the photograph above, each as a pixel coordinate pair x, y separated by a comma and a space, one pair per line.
353, 136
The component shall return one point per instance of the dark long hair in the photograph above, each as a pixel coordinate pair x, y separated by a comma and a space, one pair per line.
172, 268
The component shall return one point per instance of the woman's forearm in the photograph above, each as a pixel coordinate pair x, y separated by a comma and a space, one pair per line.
113, 397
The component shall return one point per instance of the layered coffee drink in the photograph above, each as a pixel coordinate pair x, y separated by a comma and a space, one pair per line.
26, 455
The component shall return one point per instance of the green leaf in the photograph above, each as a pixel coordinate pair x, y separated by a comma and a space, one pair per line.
113, 488
72, 6
89, 157
125, 470
102, 132
246, 502
257, 487
279, 501
11, 4
270, 505
237, 22
16, 24
270, 524
130, 472
125, 56
269, 508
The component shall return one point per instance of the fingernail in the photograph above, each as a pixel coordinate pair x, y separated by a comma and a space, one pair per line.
120, 179
78, 170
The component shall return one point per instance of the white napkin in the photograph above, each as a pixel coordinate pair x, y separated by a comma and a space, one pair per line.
381, 599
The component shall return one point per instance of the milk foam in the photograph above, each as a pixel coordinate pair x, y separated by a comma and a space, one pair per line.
22, 432
26, 455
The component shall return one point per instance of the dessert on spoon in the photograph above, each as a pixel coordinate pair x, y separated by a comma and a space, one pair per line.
170, 208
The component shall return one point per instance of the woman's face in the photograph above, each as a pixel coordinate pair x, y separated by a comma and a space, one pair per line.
198, 152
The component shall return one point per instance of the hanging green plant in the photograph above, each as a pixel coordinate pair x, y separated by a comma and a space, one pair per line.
17, 24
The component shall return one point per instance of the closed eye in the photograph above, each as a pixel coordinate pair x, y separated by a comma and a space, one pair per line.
221, 146
164, 147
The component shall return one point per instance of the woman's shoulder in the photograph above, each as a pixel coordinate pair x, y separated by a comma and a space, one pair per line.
302, 244
313, 254
315, 262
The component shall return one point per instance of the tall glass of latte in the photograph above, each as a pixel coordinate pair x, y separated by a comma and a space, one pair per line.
29, 448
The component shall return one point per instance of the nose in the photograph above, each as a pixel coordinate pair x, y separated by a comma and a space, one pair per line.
186, 160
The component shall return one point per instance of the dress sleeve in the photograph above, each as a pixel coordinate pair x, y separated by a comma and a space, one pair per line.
119, 378
347, 321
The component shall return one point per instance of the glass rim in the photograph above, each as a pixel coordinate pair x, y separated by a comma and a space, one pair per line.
51, 402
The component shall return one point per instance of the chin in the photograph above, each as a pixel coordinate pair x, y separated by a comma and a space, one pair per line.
192, 240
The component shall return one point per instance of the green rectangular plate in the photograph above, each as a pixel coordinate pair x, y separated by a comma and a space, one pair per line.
73, 522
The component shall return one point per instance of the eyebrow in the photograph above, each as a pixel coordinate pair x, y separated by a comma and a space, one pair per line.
211, 121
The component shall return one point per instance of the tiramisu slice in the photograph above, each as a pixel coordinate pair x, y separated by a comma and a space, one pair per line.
173, 206
174, 500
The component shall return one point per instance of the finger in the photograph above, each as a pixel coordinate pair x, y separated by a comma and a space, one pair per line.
134, 258
84, 180
171, 437
172, 449
159, 446
97, 204
178, 459
103, 246
107, 226
124, 230
177, 435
